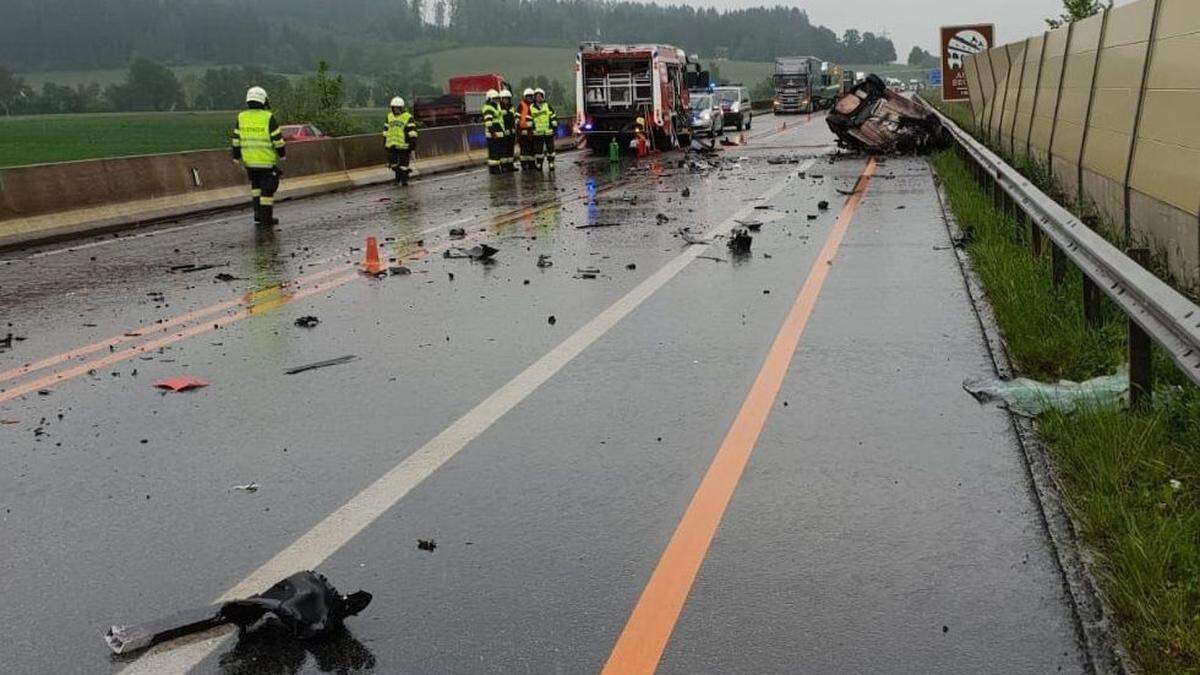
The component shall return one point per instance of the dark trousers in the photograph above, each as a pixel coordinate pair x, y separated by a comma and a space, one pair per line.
399, 159
495, 151
509, 150
528, 144
544, 149
263, 184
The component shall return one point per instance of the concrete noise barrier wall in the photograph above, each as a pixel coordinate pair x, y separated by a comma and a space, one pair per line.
1110, 106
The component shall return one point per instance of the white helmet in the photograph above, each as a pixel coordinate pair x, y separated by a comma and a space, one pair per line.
527, 92
256, 95
539, 90
397, 102
491, 94
504, 93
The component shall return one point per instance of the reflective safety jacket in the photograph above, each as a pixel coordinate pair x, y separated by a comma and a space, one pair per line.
544, 119
493, 120
524, 123
257, 140
510, 120
400, 130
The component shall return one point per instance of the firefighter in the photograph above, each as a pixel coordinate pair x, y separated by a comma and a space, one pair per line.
257, 144
526, 143
493, 127
400, 139
545, 122
509, 119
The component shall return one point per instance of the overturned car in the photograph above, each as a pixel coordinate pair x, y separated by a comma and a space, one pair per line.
872, 118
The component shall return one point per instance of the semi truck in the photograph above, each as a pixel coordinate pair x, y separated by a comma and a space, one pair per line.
795, 79
462, 102
830, 87
618, 84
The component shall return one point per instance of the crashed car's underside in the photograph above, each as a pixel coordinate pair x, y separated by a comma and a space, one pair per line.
872, 118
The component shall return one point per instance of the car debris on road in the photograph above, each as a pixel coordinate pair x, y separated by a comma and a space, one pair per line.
321, 364
303, 606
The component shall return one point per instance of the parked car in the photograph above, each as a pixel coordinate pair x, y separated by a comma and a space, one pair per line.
301, 133
707, 117
735, 106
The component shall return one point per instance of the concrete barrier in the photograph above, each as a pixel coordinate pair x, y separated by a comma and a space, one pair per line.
48, 201
1108, 105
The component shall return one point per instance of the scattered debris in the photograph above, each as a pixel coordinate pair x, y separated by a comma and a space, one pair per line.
752, 225
812, 216
686, 192
191, 267
544, 260
1030, 398
458, 233
307, 321
823, 205
662, 218
589, 226
248, 487
840, 191
426, 544
181, 383
631, 266
587, 273
302, 607
480, 252
321, 364
398, 270
225, 276
711, 257
552, 320
740, 240
690, 237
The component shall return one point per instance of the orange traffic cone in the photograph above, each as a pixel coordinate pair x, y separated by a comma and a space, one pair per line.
371, 264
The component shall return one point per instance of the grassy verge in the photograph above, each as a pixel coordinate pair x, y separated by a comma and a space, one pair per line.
1116, 466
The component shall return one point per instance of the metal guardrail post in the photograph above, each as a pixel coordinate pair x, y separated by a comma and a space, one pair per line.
1058, 265
1091, 303
1141, 372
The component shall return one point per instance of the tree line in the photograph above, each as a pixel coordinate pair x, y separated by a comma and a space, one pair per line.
370, 36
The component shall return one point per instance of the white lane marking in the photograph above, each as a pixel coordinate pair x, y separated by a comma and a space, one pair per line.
197, 223
339, 527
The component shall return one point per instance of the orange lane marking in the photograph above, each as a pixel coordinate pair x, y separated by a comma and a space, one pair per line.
248, 309
641, 643
146, 330
151, 345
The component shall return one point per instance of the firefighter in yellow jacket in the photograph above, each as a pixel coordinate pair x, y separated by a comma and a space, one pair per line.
545, 123
400, 134
493, 129
257, 144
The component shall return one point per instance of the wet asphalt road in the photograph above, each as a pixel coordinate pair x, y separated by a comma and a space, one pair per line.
883, 523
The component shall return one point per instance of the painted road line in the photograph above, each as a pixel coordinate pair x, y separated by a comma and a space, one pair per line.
338, 528
640, 645
241, 302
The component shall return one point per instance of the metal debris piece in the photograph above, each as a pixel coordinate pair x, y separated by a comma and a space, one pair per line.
840, 191
248, 487
225, 276
552, 320
690, 237
739, 240
321, 364
303, 606
480, 252
823, 205
426, 544
307, 321
544, 260
589, 226
398, 270
686, 192
457, 233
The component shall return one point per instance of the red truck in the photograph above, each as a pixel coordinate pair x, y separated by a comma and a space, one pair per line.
461, 103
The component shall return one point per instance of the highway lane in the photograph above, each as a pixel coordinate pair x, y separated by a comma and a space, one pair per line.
558, 458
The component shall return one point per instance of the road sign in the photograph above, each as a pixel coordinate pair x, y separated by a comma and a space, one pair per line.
959, 42
935, 77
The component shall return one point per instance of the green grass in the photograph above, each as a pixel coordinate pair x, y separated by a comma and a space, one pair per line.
36, 139
1116, 466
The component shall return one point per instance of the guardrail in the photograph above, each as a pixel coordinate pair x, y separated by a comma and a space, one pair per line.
1155, 311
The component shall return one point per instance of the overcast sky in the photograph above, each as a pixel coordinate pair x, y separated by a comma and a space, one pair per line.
910, 22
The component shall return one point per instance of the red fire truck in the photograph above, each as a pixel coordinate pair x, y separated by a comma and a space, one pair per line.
616, 84
462, 103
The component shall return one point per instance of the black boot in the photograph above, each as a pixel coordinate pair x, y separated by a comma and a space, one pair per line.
269, 218
402, 175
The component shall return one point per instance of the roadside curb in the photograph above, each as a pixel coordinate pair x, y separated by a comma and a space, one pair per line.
1096, 628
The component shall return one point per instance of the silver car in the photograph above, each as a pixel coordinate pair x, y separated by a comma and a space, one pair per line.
707, 117
735, 106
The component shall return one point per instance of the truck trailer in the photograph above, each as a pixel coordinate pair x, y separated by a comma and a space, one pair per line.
616, 84
461, 104
795, 80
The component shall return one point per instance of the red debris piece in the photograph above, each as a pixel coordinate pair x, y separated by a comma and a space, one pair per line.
181, 383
